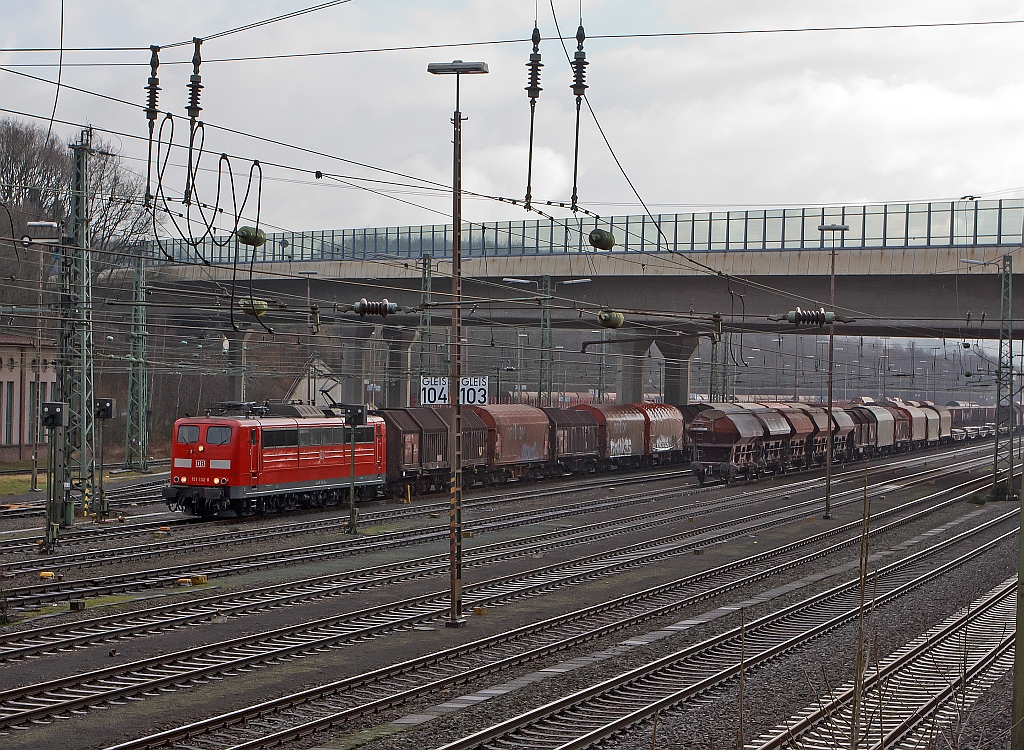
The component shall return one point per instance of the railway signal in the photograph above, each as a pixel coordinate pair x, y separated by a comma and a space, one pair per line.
104, 409
355, 416
54, 416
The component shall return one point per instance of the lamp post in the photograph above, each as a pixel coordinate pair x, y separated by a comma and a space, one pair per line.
34, 418
833, 228
457, 68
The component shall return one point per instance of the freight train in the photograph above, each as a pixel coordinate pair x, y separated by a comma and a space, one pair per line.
280, 457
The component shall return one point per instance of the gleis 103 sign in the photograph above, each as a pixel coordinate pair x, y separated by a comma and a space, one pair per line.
434, 391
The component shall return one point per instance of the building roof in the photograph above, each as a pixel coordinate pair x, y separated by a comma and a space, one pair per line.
7, 339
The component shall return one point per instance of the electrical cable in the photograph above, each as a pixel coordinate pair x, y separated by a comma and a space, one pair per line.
264, 22
496, 42
705, 268
60, 73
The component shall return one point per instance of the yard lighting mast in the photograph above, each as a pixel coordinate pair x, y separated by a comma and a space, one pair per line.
458, 68
833, 229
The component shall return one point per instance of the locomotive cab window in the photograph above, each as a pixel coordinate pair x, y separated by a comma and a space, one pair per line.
188, 434
218, 435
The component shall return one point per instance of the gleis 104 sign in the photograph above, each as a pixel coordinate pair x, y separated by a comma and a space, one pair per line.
434, 391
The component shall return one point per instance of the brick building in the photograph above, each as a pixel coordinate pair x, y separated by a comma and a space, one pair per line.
18, 395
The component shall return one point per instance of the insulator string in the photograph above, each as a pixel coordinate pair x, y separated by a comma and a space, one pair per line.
195, 87
533, 90
579, 88
152, 111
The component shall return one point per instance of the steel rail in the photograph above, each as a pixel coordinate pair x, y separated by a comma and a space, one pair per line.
680, 676
295, 528
89, 534
369, 687
153, 619
116, 496
17, 706
948, 692
927, 649
151, 578
80, 534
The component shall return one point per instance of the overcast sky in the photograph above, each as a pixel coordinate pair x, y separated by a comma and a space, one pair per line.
733, 120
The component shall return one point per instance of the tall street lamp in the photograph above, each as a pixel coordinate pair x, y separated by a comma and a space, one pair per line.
456, 68
34, 418
833, 228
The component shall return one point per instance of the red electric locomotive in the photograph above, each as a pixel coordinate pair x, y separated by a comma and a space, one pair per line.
281, 457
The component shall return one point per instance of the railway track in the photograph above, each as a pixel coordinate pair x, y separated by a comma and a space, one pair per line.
296, 528
50, 638
118, 497
173, 671
36, 594
300, 714
954, 662
42, 470
53, 637
595, 714
87, 534
276, 531
36, 508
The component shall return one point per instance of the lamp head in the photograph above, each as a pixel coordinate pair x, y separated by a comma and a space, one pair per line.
457, 67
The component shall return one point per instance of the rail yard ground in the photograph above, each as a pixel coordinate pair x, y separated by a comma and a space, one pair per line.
574, 585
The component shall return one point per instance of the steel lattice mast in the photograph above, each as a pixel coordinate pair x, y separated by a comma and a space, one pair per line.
544, 371
136, 449
718, 387
426, 288
1002, 468
75, 374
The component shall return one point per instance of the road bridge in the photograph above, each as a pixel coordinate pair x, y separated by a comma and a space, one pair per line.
902, 269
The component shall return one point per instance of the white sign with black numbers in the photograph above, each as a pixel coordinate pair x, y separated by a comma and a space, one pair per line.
434, 391
473, 391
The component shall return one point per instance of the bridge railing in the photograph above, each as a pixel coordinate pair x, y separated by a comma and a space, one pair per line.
891, 225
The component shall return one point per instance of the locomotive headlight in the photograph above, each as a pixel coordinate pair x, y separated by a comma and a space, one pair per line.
175, 480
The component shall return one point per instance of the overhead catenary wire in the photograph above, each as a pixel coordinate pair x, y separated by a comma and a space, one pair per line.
707, 268
264, 22
498, 42
60, 73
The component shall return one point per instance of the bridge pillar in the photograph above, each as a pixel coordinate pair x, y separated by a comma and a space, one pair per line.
397, 384
358, 343
631, 379
677, 352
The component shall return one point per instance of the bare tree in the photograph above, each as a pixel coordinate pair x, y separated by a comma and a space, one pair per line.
35, 185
